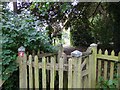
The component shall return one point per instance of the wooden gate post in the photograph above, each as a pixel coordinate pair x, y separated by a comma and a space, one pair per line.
22, 72
93, 66
77, 77
22, 60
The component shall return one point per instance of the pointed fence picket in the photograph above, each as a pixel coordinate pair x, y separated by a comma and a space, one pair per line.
43, 72
106, 65
52, 74
36, 71
99, 65
30, 72
47, 70
35, 63
61, 73
70, 73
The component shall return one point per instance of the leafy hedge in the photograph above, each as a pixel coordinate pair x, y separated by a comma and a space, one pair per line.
20, 30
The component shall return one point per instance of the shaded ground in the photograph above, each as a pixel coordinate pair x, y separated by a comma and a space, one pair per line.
69, 49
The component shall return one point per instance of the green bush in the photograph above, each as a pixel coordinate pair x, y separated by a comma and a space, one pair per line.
102, 30
20, 30
107, 84
80, 35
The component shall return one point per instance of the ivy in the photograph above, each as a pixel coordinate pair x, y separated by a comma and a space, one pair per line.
21, 30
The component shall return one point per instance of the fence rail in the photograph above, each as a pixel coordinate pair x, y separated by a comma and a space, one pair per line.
61, 71
108, 66
73, 70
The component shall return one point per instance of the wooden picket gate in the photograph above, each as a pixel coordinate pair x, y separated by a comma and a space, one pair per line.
53, 71
108, 66
57, 70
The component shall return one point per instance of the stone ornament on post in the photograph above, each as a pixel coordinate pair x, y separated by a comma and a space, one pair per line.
93, 45
21, 51
76, 53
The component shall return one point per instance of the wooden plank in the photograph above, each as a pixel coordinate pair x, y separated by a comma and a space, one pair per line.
113, 53
86, 76
48, 71
61, 73
30, 72
70, 73
105, 66
90, 72
20, 71
84, 73
55, 58
43, 72
99, 69
85, 82
105, 70
93, 63
84, 63
100, 51
87, 63
48, 66
52, 73
38, 53
108, 57
75, 72
23, 71
111, 70
36, 72
79, 73
106, 52
99, 65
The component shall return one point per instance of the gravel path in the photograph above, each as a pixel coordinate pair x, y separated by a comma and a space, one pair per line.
69, 49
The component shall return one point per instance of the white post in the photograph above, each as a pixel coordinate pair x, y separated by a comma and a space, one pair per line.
93, 61
77, 77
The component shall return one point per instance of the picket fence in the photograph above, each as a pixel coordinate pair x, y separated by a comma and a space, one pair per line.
57, 70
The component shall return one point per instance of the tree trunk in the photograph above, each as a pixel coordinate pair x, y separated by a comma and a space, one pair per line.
15, 6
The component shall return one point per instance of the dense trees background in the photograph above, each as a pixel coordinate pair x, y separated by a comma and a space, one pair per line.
89, 22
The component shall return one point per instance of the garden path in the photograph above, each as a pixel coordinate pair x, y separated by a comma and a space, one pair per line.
69, 49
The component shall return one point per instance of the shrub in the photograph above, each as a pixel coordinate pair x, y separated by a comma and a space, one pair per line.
20, 30
107, 84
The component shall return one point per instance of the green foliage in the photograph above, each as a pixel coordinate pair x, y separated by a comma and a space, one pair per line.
105, 17
12, 82
107, 84
80, 36
113, 9
102, 30
80, 33
20, 30
79, 25
51, 13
